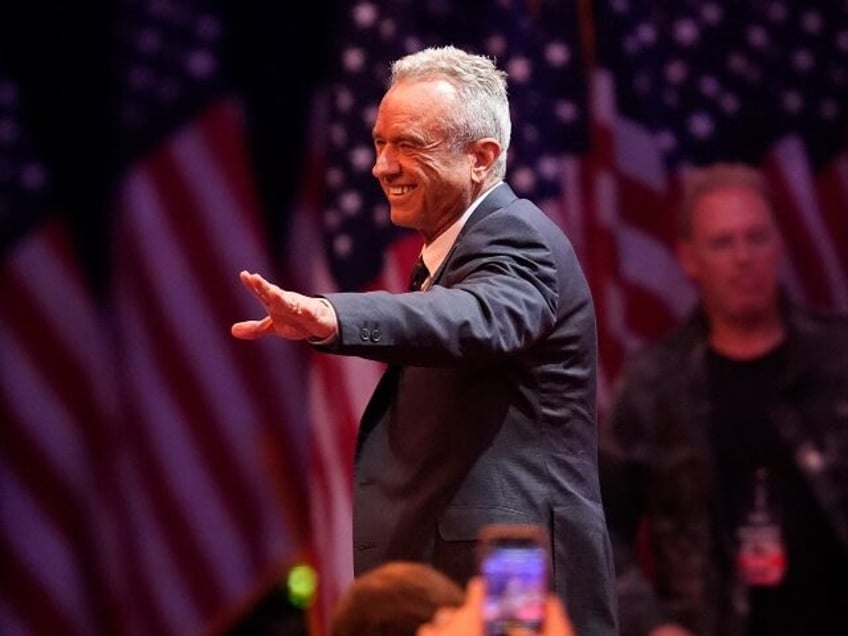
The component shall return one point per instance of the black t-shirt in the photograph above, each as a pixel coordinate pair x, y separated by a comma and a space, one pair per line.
813, 595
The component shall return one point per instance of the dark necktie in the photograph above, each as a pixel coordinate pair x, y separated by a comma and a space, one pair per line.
418, 276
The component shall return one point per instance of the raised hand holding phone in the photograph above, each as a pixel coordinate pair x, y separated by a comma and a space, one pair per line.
467, 620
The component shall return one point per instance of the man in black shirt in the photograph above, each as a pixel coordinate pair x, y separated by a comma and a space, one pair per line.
724, 462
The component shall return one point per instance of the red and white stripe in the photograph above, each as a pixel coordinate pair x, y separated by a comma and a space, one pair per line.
56, 533
210, 475
814, 222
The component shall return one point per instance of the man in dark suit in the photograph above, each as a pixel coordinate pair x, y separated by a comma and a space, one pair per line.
486, 413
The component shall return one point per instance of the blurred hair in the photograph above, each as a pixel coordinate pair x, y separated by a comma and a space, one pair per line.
394, 599
482, 105
699, 182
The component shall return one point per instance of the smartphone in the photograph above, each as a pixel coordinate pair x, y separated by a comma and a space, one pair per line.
514, 562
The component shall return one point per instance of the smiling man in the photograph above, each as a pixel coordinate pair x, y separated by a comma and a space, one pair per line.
486, 413
725, 455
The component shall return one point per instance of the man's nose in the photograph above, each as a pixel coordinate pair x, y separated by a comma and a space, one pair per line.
385, 163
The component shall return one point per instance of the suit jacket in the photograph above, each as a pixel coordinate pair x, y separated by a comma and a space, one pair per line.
487, 410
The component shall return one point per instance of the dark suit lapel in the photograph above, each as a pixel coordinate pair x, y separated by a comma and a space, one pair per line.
498, 198
379, 403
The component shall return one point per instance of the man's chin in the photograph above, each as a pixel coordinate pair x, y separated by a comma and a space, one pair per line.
403, 218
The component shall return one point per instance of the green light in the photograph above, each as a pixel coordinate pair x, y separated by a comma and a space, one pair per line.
301, 583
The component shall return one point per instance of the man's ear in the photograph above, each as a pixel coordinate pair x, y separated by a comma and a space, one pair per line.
484, 152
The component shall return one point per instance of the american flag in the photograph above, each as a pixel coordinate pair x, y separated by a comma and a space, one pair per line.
210, 479
612, 102
154, 471
153, 467
55, 529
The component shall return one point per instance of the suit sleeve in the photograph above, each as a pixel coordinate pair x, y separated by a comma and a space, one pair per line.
498, 295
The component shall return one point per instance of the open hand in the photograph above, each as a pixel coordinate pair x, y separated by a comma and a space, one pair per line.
290, 315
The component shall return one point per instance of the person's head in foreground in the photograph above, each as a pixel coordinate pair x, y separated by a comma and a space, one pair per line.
393, 599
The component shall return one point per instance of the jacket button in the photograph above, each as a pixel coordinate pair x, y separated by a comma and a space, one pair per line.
375, 335
364, 334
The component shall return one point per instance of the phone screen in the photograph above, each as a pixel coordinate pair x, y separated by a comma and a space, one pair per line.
515, 572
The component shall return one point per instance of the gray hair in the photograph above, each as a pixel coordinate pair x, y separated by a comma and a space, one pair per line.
698, 182
482, 105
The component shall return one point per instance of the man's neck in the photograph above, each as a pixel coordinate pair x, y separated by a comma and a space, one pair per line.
747, 339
